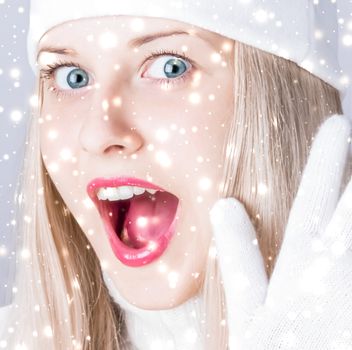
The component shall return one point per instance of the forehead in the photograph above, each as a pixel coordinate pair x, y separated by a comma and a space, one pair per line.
122, 27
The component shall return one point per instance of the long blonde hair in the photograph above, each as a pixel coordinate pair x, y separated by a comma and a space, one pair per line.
61, 300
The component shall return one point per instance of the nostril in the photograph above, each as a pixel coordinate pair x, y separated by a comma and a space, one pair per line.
115, 148
120, 149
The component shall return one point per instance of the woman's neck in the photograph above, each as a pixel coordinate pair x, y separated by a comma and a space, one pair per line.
171, 329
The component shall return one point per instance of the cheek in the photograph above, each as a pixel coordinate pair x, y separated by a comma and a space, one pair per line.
193, 147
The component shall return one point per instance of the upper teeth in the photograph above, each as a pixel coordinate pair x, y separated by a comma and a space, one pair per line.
122, 192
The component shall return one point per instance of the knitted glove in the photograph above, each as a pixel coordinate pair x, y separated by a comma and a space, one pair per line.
307, 304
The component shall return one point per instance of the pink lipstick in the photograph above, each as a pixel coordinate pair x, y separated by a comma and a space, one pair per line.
139, 228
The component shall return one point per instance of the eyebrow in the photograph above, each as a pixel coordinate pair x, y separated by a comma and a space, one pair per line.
134, 43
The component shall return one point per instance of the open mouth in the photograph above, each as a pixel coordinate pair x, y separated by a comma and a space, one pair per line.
141, 220
139, 217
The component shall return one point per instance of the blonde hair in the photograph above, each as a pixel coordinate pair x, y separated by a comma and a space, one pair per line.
62, 301
278, 108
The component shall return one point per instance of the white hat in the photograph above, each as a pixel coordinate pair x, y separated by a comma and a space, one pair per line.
303, 31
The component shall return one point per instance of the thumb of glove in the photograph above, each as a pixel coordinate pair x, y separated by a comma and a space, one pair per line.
240, 261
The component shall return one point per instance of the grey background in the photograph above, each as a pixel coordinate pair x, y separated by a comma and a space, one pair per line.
15, 92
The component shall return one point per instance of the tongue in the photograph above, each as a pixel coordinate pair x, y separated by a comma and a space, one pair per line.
149, 217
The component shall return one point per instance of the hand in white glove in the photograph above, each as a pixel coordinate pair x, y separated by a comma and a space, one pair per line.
307, 304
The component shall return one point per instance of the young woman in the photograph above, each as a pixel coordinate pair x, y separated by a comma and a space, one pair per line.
159, 100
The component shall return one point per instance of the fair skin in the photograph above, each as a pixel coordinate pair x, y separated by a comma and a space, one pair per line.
79, 144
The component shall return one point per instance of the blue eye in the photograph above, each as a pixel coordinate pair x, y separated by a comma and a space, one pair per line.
77, 78
170, 68
74, 78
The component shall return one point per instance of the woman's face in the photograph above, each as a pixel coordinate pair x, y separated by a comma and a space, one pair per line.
115, 110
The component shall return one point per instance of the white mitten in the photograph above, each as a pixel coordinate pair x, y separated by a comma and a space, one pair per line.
307, 304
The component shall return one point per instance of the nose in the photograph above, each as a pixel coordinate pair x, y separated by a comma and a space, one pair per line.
105, 130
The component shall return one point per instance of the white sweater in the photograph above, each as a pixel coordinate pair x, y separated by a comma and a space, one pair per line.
174, 329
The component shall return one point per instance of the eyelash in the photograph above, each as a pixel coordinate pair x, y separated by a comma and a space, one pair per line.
47, 73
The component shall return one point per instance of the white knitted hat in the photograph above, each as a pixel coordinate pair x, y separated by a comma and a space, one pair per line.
303, 31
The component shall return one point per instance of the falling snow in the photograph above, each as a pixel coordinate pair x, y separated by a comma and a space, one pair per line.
16, 99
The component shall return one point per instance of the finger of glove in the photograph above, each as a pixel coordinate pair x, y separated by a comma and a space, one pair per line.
319, 189
338, 234
314, 204
240, 261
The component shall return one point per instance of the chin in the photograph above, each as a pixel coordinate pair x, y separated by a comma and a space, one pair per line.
154, 299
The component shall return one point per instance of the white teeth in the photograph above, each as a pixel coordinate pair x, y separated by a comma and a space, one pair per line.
122, 192
138, 190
